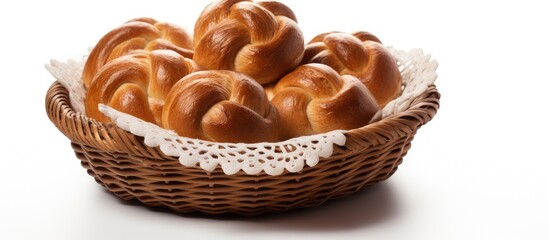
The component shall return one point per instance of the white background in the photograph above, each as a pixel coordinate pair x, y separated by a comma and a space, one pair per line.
479, 170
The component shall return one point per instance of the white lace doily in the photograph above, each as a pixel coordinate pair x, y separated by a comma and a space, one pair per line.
272, 158
69, 74
418, 72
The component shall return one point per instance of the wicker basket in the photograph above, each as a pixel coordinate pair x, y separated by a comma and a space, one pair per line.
122, 163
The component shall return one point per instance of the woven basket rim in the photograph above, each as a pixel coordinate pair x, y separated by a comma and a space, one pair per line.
107, 136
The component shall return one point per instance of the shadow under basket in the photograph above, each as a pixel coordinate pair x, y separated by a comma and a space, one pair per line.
125, 166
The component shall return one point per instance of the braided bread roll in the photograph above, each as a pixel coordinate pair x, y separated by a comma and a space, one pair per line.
362, 55
316, 99
137, 83
260, 39
139, 33
221, 106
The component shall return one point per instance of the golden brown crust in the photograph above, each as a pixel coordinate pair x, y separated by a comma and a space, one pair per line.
261, 40
222, 106
139, 33
362, 55
316, 99
269, 90
278, 9
137, 83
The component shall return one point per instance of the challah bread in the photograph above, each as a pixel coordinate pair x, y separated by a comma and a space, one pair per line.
362, 55
316, 99
139, 33
259, 39
221, 106
137, 83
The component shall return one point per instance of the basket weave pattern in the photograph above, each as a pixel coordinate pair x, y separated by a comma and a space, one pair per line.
125, 166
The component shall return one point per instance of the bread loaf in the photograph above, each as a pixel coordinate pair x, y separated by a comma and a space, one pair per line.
251, 77
362, 55
137, 83
222, 106
139, 33
259, 39
316, 99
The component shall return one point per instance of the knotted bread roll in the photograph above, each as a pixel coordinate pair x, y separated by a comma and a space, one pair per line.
139, 33
137, 83
316, 99
259, 39
362, 55
221, 106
